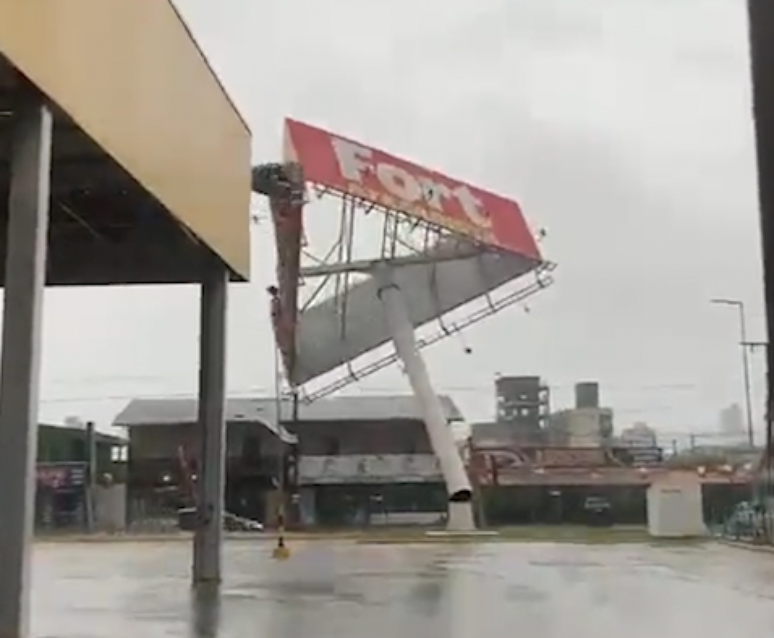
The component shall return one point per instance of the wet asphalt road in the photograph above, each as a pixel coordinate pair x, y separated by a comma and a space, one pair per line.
346, 590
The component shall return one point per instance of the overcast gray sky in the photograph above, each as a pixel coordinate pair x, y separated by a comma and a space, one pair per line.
623, 127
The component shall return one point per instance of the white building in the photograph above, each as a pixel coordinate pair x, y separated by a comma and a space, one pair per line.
639, 435
731, 422
581, 427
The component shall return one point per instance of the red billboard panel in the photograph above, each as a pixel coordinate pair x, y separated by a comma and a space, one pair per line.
346, 166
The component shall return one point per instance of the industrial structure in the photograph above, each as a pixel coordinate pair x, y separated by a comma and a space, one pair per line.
523, 406
523, 416
411, 251
586, 424
98, 189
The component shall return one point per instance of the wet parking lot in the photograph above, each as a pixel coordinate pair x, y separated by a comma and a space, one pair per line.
348, 590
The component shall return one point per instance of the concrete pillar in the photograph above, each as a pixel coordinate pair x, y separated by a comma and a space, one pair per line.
25, 273
211, 480
438, 430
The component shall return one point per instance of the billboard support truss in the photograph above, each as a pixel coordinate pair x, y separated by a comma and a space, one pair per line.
443, 330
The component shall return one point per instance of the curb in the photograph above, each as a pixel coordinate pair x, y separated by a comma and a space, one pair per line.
110, 539
749, 547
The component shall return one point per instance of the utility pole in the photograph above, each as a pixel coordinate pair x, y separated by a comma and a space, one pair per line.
91, 476
739, 305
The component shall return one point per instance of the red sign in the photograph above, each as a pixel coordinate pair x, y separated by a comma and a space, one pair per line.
346, 166
52, 477
55, 476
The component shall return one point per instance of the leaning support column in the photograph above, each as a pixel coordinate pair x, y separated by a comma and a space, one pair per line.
211, 479
25, 272
441, 437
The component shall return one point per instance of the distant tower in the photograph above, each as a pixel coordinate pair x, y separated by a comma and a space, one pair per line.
587, 394
731, 421
523, 404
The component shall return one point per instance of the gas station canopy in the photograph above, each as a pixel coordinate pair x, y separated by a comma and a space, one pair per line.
150, 157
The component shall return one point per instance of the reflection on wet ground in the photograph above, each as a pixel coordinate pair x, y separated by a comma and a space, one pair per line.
346, 590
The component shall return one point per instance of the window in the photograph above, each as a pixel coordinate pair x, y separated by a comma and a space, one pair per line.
119, 453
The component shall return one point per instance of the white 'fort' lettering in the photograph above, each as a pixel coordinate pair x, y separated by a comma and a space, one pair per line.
356, 160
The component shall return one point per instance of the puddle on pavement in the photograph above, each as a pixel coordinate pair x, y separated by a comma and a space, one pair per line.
449, 591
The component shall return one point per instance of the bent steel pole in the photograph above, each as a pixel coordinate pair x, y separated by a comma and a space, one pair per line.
25, 272
211, 461
441, 438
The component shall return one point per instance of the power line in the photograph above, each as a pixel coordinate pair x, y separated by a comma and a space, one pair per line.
145, 395
266, 391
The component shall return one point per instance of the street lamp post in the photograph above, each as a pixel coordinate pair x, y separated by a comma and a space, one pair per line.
739, 305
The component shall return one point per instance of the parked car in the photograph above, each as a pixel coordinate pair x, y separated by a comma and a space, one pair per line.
186, 520
234, 523
598, 511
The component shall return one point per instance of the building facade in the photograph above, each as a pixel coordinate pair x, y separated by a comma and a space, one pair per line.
523, 406
347, 460
638, 435
62, 474
164, 458
581, 427
371, 465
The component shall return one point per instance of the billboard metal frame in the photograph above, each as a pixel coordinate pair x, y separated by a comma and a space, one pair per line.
442, 244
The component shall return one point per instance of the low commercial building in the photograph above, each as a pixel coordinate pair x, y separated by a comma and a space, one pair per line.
368, 461
62, 474
347, 460
164, 457
550, 484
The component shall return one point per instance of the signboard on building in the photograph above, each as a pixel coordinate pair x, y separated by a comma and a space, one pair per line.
644, 456
60, 476
368, 469
513, 457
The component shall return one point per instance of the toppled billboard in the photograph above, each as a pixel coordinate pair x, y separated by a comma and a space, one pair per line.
470, 242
